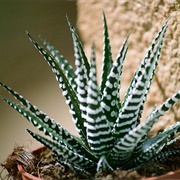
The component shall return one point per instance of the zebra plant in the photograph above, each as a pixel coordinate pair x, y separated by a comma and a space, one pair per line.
110, 133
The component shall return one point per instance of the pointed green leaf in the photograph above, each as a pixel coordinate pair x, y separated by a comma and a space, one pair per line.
163, 156
82, 70
50, 123
149, 55
154, 145
82, 78
68, 92
132, 106
138, 134
78, 47
99, 135
65, 66
107, 56
111, 99
149, 149
50, 131
66, 153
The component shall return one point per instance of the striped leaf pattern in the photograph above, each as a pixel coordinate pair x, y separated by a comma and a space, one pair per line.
111, 99
98, 131
149, 149
33, 113
138, 134
34, 120
81, 72
154, 145
68, 92
63, 63
79, 46
132, 106
153, 49
111, 135
56, 132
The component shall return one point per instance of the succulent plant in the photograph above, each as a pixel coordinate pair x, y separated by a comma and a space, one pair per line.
110, 133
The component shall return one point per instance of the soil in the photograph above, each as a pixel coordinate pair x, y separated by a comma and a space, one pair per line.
41, 164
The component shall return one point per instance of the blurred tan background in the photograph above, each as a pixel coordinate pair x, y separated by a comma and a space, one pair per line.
24, 69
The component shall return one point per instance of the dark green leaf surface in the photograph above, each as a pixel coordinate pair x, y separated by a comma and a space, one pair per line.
107, 56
